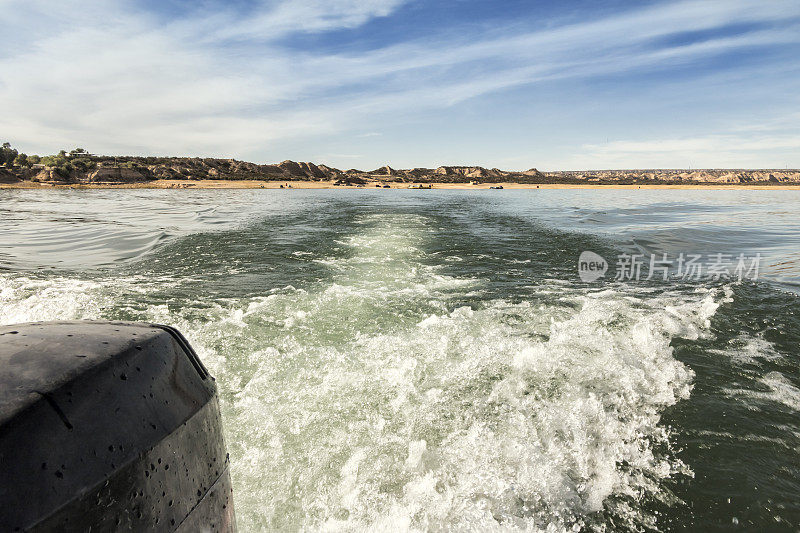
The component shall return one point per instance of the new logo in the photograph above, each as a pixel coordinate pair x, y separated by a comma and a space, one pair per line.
591, 266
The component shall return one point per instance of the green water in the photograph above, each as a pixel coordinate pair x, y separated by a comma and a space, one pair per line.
429, 360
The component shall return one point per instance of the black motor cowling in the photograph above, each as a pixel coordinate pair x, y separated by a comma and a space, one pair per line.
109, 426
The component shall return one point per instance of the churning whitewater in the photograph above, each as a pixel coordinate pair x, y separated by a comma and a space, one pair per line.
373, 400
435, 364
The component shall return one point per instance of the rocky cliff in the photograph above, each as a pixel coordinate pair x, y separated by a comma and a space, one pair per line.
732, 176
8, 177
97, 169
84, 168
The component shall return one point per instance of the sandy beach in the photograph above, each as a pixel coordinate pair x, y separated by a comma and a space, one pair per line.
257, 184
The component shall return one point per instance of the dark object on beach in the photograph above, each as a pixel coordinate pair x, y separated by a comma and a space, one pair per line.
349, 181
496, 187
109, 426
387, 186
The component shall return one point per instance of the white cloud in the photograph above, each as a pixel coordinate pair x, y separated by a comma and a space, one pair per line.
726, 150
272, 21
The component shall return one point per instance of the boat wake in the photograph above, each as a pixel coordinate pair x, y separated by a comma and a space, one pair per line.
391, 395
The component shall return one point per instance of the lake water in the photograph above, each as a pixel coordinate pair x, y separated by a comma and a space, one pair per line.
430, 360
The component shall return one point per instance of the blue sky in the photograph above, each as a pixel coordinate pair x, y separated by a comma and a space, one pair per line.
359, 84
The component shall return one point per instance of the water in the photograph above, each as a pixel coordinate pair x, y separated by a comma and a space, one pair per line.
429, 360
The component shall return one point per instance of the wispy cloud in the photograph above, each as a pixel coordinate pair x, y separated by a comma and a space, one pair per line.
731, 151
271, 21
221, 81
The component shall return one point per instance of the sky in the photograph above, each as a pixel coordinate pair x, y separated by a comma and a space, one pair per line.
575, 84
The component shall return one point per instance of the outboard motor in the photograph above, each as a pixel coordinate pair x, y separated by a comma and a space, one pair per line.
109, 426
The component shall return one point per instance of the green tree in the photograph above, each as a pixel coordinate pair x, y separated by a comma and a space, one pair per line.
55, 160
22, 160
64, 170
83, 164
7, 154
34, 159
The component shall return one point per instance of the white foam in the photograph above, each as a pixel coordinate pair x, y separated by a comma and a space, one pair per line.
749, 349
778, 390
510, 416
370, 402
27, 299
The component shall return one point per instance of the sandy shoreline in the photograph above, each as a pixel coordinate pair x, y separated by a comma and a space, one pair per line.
256, 184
